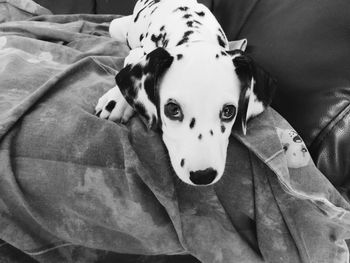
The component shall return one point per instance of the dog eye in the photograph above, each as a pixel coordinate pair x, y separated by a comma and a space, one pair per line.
173, 111
228, 112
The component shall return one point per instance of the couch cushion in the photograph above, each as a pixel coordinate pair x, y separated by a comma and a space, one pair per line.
69, 6
115, 7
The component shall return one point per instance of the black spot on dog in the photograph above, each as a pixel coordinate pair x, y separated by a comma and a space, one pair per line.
136, 71
192, 123
187, 33
201, 13
182, 162
141, 37
211, 132
182, 41
160, 40
181, 8
193, 23
162, 28
165, 42
187, 16
200, 136
138, 14
154, 9
156, 39
221, 41
223, 53
185, 37
223, 128
110, 106
98, 113
189, 23
197, 22
217, 55
179, 56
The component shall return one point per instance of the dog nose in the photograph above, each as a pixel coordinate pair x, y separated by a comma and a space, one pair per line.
203, 177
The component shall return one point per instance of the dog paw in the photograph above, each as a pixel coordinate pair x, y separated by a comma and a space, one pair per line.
113, 106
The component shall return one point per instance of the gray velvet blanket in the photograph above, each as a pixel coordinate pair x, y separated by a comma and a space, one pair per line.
70, 181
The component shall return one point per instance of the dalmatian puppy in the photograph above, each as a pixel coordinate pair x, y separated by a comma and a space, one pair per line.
182, 80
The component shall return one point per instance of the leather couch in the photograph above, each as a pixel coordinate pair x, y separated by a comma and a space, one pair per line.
305, 46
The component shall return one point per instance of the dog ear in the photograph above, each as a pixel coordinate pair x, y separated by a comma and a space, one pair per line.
257, 88
139, 84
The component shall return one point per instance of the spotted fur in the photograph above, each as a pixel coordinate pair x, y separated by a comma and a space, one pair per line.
179, 77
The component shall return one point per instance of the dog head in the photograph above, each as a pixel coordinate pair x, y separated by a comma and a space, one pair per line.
194, 95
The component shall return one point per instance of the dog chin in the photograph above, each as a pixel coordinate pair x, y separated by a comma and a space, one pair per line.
185, 179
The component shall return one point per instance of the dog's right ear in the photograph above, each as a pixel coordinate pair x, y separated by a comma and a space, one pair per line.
139, 84
257, 87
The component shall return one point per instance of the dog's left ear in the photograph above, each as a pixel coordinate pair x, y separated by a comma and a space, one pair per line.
139, 84
257, 88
